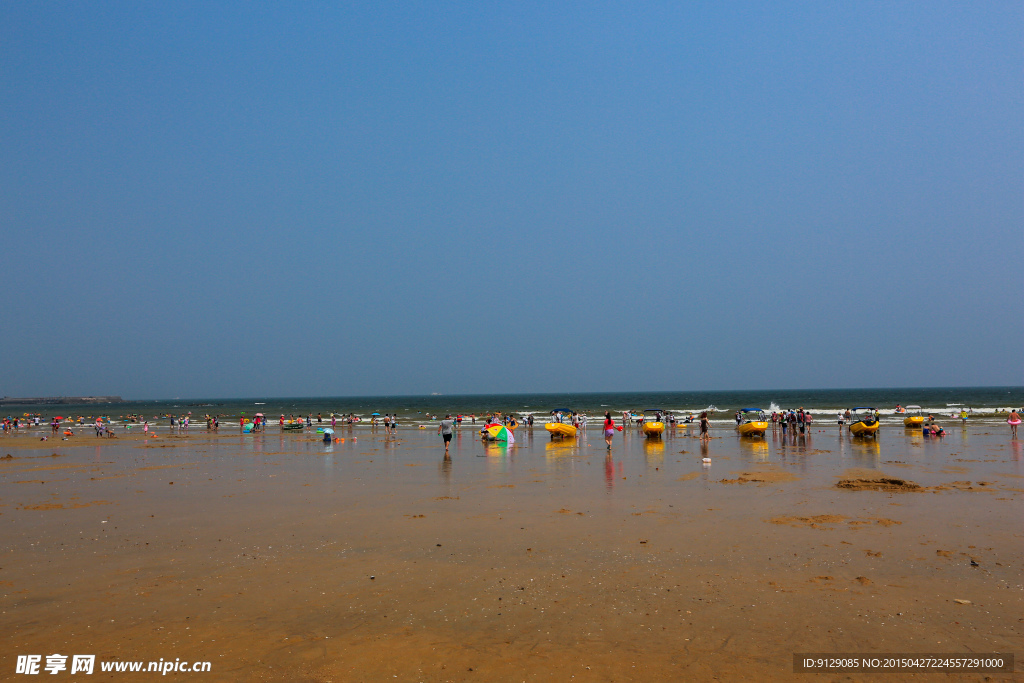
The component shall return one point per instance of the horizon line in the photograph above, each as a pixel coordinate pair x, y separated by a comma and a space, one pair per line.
576, 393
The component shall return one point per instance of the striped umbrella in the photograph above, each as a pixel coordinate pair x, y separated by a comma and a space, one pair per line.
497, 432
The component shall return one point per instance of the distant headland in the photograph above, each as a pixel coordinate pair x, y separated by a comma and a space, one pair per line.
58, 400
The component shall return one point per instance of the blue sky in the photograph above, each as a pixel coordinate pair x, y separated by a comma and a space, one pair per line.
249, 199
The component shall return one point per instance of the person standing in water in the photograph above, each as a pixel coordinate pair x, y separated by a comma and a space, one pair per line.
1013, 421
609, 429
445, 430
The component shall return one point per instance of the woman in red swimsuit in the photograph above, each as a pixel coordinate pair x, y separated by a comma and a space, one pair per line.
609, 429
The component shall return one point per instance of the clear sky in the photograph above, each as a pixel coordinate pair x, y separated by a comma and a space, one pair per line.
247, 199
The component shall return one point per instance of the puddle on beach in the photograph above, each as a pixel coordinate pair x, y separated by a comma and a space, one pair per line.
278, 558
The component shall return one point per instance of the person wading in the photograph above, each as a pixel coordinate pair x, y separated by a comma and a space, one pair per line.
1013, 421
445, 430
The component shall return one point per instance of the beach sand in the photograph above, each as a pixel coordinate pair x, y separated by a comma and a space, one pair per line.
277, 558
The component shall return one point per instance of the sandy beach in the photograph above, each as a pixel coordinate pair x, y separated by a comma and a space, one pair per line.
277, 558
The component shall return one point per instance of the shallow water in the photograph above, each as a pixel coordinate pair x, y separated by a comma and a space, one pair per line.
823, 403
276, 557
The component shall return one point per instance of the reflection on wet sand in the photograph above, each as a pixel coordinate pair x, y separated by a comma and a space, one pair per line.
558, 447
865, 451
756, 449
654, 451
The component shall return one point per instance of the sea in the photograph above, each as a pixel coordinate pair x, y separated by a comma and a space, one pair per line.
982, 403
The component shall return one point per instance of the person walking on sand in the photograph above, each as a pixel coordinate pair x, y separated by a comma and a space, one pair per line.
445, 430
1013, 421
609, 429
705, 425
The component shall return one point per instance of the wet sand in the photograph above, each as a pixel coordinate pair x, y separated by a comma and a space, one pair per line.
280, 559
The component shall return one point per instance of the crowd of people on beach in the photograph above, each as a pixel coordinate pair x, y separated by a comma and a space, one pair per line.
12, 424
794, 421
791, 420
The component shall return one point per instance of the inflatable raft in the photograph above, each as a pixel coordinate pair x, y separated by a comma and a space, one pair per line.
561, 424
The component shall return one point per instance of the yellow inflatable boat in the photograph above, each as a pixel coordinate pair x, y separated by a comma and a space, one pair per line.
561, 424
653, 425
864, 424
914, 418
754, 422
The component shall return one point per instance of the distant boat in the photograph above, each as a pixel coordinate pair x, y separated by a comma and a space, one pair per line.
914, 418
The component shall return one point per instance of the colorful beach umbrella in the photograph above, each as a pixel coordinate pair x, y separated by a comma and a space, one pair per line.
497, 432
